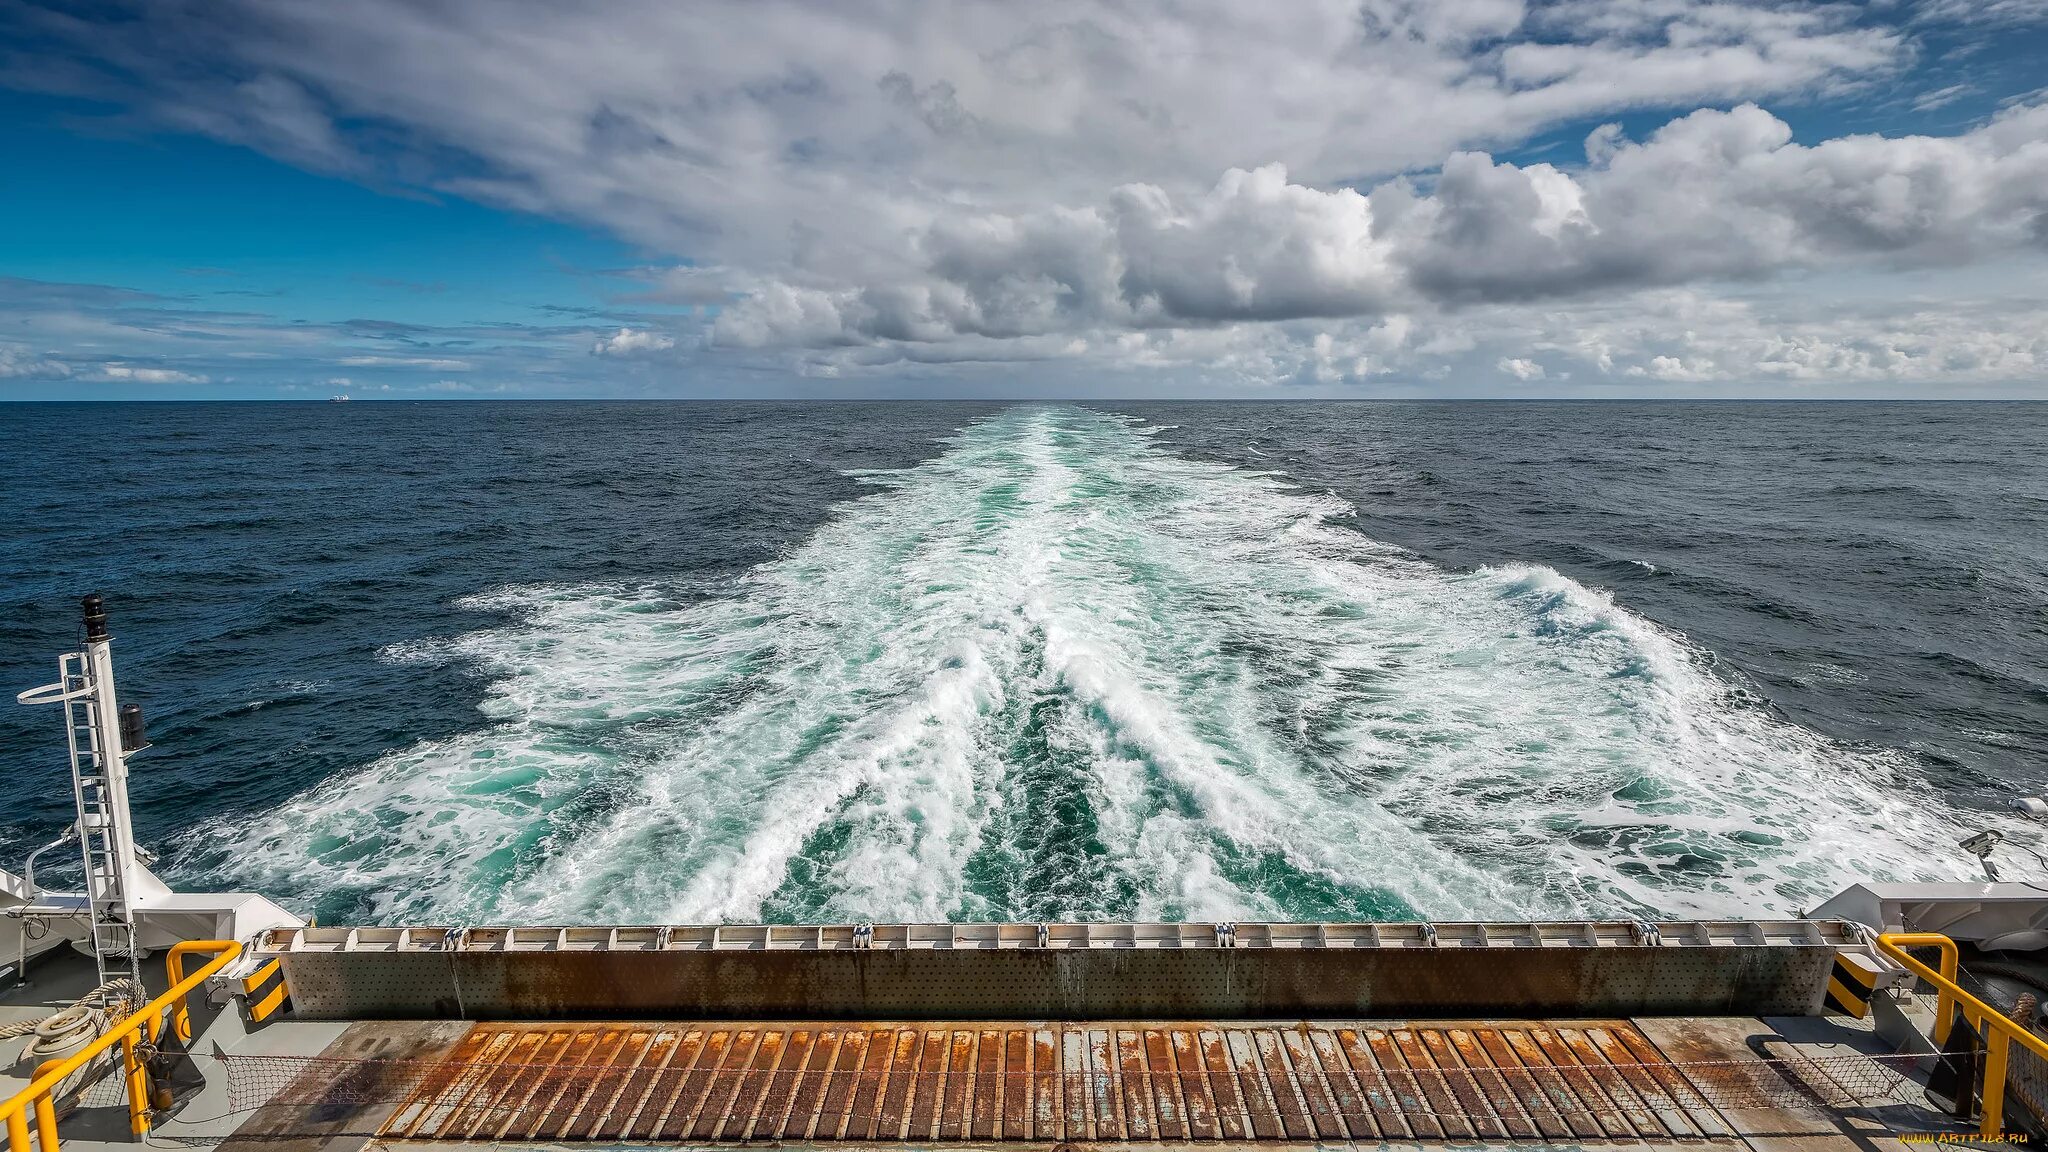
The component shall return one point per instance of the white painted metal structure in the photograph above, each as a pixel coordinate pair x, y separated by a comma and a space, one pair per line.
1997, 916
125, 910
99, 784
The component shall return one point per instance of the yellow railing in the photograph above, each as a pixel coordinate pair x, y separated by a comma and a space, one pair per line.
1989, 1023
130, 1034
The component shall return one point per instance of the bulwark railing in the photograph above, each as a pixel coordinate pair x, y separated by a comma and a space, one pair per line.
1996, 1031
131, 1035
1061, 971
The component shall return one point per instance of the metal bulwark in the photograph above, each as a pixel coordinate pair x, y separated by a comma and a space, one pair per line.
1059, 971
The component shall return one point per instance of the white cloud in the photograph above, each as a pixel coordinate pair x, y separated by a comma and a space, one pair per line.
127, 372
806, 136
632, 342
19, 363
1688, 337
429, 363
1300, 192
1725, 195
1941, 97
1982, 11
1713, 196
1254, 246
1657, 340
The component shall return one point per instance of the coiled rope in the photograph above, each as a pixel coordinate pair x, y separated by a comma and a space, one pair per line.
101, 1009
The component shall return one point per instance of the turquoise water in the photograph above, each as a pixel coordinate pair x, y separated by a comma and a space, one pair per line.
1052, 667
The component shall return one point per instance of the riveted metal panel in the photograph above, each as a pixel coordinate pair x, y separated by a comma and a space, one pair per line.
372, 986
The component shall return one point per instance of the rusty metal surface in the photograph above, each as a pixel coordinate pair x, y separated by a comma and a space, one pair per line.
1141, 1081
1049, 983
350, 1089
1723, 1065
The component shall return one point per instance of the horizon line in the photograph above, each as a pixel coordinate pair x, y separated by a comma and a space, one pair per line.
1562, 399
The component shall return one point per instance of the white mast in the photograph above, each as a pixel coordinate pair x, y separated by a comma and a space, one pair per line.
115, 880
127, 909
112, 879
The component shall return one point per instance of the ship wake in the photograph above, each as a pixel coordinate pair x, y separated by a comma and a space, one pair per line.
1058, 672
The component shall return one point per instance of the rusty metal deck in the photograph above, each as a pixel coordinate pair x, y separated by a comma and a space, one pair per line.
1568, 1082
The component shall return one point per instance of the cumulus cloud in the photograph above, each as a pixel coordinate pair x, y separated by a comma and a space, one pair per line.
1253, 247
1712, 196
632, 342
1723, 195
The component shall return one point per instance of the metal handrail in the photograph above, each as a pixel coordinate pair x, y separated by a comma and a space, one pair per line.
1997, 1031
39, 1097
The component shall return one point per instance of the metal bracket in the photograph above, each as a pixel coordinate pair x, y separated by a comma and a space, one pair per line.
863, 935
1226, 935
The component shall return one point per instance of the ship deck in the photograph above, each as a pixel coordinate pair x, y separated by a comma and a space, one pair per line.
1728, 1081
1807, 1083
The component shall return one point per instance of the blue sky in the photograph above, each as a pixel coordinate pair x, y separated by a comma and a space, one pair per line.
185, 216
404, 198
194, 226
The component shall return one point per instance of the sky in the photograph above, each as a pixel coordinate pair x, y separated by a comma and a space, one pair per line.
252, 199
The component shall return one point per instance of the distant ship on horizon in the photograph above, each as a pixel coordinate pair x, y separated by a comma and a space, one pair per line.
338, 398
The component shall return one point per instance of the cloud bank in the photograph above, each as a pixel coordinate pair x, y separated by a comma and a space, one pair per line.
1326, 190
1712, 196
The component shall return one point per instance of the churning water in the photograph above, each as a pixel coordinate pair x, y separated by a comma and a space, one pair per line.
1069, 664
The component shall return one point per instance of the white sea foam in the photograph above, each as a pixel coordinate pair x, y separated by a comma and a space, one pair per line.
1253, 711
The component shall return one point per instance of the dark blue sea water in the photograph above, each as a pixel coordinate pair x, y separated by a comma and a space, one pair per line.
562, 661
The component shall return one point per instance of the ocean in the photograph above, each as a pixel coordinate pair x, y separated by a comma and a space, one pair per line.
678, 662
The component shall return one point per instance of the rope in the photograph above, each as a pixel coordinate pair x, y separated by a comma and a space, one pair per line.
104, 1007
112, 997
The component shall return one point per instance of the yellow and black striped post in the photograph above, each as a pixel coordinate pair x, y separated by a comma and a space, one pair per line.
1850, 984
264, 992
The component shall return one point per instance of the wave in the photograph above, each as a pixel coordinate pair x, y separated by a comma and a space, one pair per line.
1060, 672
